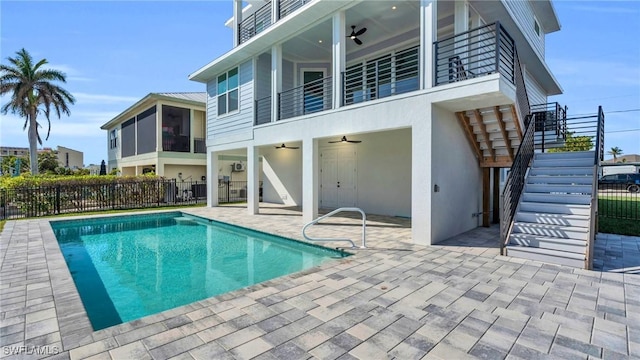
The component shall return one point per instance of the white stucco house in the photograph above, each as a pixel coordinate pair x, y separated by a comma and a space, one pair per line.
430, 98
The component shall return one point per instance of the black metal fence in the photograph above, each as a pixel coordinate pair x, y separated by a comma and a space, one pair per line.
233, 191
618, 198
255, 23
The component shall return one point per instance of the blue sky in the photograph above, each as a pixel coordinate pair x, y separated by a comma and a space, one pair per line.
115, 53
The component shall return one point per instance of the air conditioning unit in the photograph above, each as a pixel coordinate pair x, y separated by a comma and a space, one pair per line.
238, 167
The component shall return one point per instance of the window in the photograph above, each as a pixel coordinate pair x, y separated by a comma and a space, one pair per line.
228, 92
536, 26
113, 139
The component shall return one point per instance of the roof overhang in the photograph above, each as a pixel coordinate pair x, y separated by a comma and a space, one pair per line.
149, 99
546, 15
307, 16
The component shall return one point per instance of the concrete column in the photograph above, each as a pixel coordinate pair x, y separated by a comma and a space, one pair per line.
253, 180
275, 9
310, 175
237, 19
192, 122
339, 56
212, 178
276, 79
159, 127
428, 35
422, 187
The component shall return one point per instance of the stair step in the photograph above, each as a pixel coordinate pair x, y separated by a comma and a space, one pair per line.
558, 188
557, 198
555, 208
557, 179
547, 255
553, 219
551, 243
563, 162
557, 231
566, 155
561, 171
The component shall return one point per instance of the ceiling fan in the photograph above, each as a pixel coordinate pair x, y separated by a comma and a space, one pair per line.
283, 146
344, 140
354, 34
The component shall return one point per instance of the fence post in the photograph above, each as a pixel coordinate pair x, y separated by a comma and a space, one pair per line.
58, 199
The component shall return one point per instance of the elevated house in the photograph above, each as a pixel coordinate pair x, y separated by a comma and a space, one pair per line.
401, 108
162, 133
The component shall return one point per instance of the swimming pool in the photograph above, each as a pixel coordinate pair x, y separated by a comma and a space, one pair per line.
127, 267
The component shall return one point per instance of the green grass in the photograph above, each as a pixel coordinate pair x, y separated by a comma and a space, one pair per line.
2, 222
619, 216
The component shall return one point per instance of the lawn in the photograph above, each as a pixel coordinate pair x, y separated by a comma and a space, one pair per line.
619, 215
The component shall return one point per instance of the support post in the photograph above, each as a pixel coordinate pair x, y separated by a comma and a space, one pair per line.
310, 174
496, 195
276, 80
237, 19
486, 193
339, 57
253, 180
212, 179
428, 35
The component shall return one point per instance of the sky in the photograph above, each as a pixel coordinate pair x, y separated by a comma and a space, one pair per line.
114, 53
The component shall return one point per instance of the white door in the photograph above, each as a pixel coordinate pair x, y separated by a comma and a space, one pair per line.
338, 178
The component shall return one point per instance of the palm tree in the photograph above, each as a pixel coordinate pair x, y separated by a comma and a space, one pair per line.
615, 151
33, 92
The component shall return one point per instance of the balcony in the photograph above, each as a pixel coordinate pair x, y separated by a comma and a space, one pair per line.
312, 97
286, 7
255, 24
481, 51
177, 143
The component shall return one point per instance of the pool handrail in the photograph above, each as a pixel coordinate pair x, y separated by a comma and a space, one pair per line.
343, 209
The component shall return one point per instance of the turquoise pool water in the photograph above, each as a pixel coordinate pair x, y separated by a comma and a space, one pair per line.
127, 267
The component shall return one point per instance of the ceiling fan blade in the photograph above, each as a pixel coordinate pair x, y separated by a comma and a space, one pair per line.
354, 141
357, 41
361, 31
293, 147
334, 142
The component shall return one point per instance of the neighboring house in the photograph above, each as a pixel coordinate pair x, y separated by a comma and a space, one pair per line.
162, 133
630, 158
435, 93
67, 158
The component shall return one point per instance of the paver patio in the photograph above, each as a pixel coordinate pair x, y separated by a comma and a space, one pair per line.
460, 299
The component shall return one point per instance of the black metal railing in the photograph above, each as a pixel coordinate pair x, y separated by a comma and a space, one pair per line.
388, 75
263, 110
286, 7
522, 97
481, 51
600, 137
309, 98
255, 23
581, 133
514, 185
199, 146
234, 191
551, 124
34, 201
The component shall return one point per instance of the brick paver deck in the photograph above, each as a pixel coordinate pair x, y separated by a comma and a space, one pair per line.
395, 300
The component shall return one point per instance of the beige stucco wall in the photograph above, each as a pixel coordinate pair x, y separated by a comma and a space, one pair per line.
76, 158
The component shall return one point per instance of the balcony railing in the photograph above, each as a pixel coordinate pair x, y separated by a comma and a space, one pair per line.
286, 7
255, 24
199, 146
263, 110
311, 97
482, 51
388, 75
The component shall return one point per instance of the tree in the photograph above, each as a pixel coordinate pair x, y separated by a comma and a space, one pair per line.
33, 92
615, 151
575, 143
47, 162
103, 168
9, 163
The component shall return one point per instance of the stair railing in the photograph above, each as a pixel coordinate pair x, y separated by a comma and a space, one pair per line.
514, 185
599, 156
353, 245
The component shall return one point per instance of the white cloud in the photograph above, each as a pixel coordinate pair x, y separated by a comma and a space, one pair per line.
85, 98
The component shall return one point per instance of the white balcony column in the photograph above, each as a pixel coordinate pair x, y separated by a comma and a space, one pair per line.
422, 186
460, 16
253, 180
339, 57
192, 144
310, 175
276, 79
428, 35
275, 9
212, 178
237, 19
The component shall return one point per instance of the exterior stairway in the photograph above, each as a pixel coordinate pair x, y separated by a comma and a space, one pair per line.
553, 219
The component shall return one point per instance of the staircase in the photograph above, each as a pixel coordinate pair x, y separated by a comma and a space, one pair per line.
553, 219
